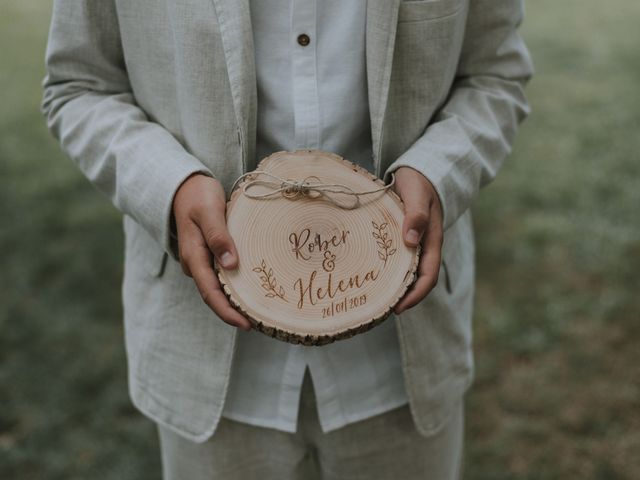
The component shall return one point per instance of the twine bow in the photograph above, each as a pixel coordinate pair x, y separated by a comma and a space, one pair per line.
293, 189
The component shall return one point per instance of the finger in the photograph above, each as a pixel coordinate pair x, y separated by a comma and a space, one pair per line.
428, 269
190, 239
210, 290
213, 225
414, 295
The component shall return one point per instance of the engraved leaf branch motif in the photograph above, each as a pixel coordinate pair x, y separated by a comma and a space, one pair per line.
385, 243
269, 281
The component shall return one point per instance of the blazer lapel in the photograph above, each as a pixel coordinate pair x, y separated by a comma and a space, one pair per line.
234, 19
382, 22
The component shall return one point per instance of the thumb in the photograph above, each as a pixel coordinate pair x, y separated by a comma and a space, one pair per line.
416, 220
410, 188
215, 232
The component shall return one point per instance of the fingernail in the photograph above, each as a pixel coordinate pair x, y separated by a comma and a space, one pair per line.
226, 259
413, 236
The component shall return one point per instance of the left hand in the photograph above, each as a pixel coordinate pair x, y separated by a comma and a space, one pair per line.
422, 224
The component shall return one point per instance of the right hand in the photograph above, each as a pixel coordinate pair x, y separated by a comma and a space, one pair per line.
199, 209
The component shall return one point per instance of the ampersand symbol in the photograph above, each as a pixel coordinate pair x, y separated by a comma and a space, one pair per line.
329, 261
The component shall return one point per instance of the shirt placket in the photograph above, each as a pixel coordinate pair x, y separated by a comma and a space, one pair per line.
306, 106
290, 387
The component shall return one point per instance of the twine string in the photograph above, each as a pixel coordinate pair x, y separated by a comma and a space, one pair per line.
309, 187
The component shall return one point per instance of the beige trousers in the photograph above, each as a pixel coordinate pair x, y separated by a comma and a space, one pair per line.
386, 446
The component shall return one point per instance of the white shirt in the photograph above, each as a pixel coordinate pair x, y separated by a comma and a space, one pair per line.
313, 96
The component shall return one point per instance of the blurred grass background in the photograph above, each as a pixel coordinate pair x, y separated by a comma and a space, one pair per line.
557, 327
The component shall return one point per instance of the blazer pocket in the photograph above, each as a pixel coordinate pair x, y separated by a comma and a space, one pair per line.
447, 276
451, 259
417, 11
142, 249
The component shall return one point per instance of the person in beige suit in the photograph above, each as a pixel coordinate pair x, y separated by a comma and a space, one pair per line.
158, 105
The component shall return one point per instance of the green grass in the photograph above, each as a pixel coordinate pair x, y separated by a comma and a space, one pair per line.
557, 324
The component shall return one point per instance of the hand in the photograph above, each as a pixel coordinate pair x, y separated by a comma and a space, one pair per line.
422, 224
199, 209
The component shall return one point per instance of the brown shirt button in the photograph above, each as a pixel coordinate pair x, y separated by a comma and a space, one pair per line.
303, 39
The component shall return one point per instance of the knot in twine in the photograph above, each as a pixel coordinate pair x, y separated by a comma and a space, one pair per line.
293, 189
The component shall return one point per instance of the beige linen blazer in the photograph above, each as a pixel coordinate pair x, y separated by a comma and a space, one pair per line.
143, 93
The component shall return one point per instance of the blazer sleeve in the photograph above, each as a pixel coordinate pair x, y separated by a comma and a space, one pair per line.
90, 108
472, 134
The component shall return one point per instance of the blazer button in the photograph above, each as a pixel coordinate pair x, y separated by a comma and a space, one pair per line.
304, 39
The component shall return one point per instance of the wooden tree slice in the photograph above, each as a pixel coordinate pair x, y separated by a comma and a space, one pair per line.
311, 271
